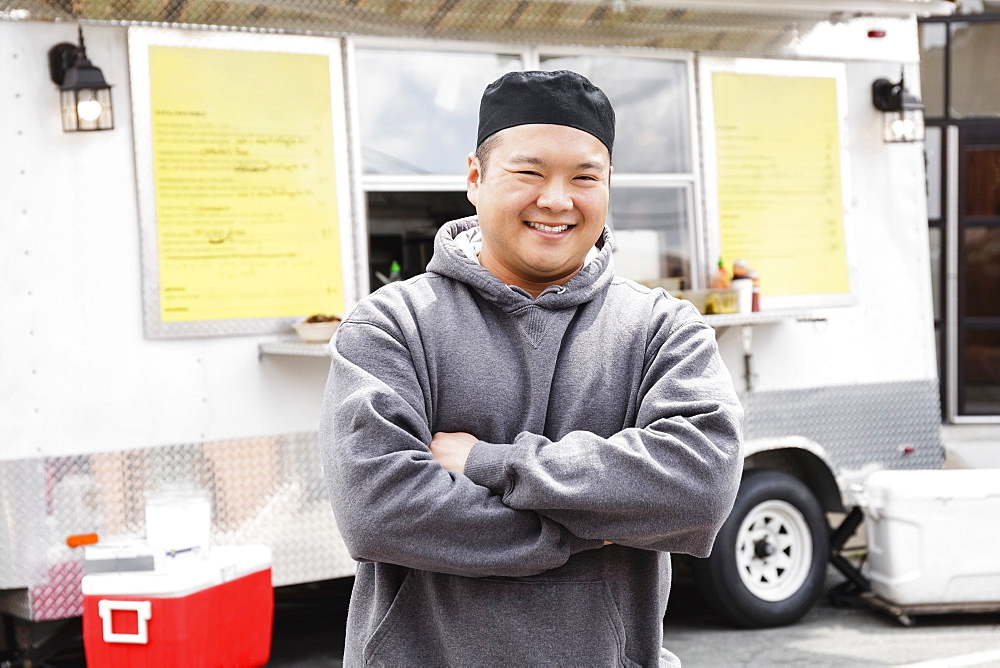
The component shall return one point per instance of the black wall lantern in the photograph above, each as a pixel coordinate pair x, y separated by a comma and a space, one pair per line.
84, 95
903, 111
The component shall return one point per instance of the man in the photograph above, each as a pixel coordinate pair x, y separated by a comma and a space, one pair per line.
514, 439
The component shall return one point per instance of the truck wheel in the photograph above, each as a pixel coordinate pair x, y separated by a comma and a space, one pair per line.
768, 565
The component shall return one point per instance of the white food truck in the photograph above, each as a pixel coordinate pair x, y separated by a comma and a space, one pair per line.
254, 164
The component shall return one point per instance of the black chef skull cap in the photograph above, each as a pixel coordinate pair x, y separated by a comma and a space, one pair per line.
558, 98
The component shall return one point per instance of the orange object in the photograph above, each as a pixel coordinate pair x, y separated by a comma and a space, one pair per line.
720, 279
82, 539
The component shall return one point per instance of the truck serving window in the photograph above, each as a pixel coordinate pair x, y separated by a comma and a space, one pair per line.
418, 113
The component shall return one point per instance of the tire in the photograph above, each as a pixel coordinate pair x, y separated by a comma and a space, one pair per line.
768, 565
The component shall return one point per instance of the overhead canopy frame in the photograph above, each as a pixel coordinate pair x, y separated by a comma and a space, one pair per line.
719, 25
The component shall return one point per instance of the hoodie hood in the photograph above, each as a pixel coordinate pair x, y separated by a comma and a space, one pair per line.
451, 260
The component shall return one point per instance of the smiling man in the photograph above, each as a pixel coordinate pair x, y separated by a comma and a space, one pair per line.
516, 440
544, 204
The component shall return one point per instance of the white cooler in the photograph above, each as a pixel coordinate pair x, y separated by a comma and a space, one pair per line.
934, 536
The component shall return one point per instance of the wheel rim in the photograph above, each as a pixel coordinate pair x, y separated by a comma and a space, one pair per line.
774, 550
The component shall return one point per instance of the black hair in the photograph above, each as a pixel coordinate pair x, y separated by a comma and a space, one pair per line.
483, 152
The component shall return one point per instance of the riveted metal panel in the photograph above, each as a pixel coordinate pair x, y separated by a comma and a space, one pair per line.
881, 425
264, 490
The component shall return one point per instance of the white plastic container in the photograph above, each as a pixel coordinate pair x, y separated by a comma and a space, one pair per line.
744, 294
179, 521
934, 536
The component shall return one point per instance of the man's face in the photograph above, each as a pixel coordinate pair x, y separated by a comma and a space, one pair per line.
541, 204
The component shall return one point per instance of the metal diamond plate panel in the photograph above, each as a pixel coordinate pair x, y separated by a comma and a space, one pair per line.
264, 490
888, 425
270, 490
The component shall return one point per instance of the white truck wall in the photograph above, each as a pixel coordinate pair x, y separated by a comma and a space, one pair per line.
79, 375
93, 415
888, 335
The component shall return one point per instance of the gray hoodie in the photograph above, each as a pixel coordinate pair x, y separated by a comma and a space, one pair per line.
605, 414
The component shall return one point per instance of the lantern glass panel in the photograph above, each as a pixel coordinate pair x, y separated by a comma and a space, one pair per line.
67, 102
86, 109
903, 126
106, 121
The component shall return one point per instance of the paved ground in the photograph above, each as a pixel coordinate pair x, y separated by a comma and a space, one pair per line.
309, 619
309, 623
832, 637
308, 634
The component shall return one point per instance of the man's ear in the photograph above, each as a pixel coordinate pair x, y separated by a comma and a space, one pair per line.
472, 179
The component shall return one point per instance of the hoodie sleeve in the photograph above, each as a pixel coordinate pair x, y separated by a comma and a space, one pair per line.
393, 503
666, 484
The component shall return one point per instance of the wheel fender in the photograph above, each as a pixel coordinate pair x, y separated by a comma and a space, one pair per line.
805, 459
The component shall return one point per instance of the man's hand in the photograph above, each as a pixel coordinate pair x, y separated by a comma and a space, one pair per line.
451, 449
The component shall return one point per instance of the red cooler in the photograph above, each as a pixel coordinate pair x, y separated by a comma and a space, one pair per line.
210, 612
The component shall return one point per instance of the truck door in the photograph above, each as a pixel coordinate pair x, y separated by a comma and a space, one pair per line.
977, 316
960, 89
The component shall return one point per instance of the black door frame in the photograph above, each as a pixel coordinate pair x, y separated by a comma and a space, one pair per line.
958, 135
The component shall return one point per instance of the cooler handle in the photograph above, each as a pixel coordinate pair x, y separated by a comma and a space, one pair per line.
143, 610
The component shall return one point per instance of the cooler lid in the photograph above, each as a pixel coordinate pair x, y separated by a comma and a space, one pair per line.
182, 576
882, 486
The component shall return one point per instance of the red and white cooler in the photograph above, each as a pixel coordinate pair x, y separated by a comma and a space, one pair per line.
211, 612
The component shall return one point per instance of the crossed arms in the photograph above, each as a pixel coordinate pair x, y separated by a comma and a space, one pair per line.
448, 502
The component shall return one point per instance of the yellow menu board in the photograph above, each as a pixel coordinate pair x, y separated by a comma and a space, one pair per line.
779, 180
244, 179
